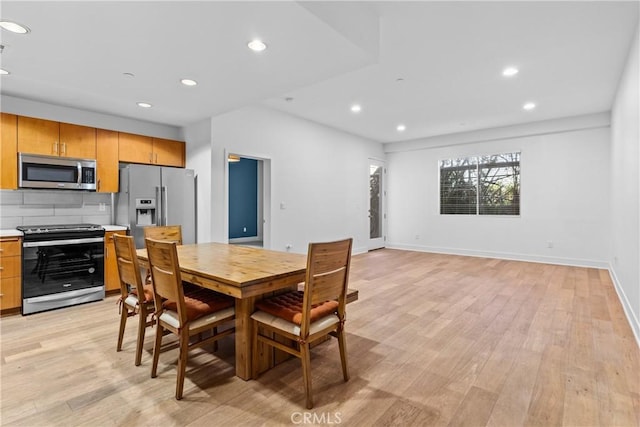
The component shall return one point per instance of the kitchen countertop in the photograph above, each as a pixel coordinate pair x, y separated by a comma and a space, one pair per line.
114, 228
12, 232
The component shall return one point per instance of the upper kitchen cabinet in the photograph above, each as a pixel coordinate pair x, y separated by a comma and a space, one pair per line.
168, 153
107, 160
135, 148
150, 151
77, 141
39, 136
8, 151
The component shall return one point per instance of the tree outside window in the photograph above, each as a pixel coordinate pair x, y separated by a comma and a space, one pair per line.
480, 185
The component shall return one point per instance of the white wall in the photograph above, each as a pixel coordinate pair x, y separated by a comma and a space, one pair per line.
318, 174
565, 182
625, 189
198, 152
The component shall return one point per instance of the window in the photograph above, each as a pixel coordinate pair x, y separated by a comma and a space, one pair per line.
480, 185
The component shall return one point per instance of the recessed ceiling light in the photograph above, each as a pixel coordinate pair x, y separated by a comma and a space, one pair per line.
529, 106
257, 45
188, 82
510, 71
356, 108
144, 105
401, 128
3, 72
14, 27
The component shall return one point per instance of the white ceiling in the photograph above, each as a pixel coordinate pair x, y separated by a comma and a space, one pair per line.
326, 56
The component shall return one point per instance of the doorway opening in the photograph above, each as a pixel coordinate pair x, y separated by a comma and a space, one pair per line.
377, 206
246, 200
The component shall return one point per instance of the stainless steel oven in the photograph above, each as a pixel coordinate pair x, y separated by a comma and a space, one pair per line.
62, 265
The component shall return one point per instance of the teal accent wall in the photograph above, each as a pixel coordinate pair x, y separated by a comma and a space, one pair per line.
243, 198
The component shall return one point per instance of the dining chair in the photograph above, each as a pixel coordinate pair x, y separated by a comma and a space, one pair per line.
136, 298
187, 315
309, 315
171, 233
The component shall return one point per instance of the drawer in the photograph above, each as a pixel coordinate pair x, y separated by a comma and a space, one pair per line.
9, 266
10, 293
10, 247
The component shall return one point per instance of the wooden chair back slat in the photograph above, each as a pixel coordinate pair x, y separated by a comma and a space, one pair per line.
328, 286
165, 274
171, 233
128, 268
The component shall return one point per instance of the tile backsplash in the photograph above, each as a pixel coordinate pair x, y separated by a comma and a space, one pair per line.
35, 207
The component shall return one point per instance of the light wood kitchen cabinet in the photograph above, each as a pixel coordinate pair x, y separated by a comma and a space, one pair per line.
10, 273
168, 152
107, 160
135, 148
9, 151
39, 136
77, 141
150, 151
111, 277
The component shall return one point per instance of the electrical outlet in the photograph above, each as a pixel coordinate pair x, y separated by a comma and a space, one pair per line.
549, 244
102, 207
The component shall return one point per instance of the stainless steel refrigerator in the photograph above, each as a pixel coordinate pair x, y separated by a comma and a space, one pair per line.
155, 195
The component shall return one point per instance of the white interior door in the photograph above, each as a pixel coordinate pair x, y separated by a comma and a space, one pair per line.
377, 212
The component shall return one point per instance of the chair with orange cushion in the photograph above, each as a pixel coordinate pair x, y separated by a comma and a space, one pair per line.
136, 298
188, 315
306, 316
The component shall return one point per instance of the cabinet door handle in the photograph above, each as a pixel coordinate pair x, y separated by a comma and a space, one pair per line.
55, 147
156, 157
98, 185
150, 157
64, 148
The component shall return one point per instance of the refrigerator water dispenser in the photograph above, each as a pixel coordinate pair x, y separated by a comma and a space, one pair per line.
145, 212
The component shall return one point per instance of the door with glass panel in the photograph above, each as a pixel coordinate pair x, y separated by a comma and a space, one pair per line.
377, 213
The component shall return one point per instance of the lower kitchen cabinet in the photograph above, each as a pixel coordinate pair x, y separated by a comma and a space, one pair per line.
10, 273
111, 277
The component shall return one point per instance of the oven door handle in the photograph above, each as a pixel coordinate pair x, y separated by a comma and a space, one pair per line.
62, 242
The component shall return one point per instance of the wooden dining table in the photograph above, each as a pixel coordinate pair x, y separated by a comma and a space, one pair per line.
245, 273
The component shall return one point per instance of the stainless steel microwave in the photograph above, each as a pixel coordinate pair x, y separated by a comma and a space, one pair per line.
64, 173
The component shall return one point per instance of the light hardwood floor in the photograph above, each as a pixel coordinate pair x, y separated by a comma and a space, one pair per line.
433, 340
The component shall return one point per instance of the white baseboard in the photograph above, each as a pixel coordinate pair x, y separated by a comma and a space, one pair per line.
360, 250
576, 262
626, 305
